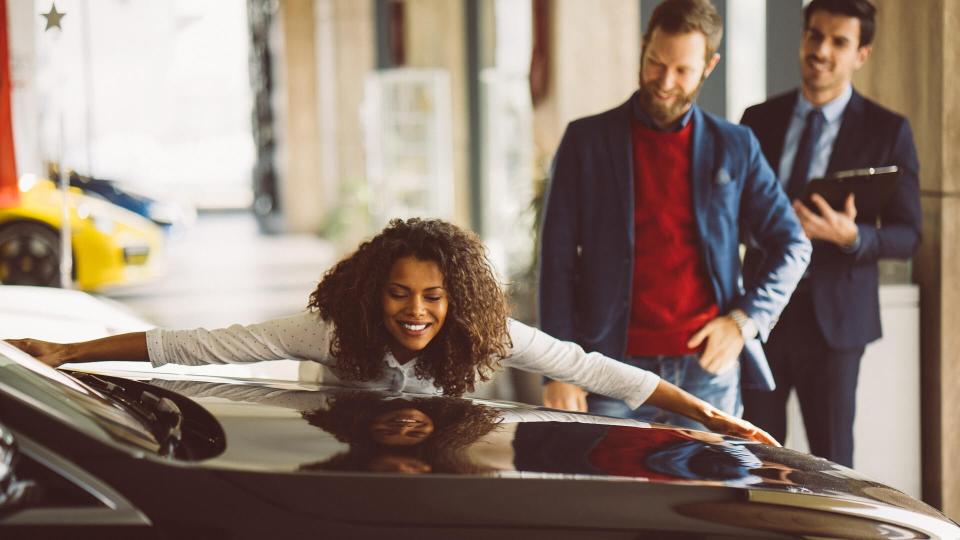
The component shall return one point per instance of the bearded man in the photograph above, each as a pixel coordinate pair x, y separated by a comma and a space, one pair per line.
639, 255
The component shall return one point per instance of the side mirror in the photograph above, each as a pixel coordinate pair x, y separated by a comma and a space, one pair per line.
12, 491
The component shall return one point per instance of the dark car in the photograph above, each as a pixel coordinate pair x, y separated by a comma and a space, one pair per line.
205, 457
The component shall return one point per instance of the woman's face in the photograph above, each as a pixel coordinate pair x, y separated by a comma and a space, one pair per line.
402, 427
414, 306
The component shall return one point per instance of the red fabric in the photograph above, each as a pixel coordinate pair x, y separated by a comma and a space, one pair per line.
9, 194
623, 451
672, 293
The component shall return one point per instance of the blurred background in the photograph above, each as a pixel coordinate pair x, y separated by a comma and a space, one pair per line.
222, 154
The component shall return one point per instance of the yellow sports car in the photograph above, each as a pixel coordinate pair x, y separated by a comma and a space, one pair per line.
111, 246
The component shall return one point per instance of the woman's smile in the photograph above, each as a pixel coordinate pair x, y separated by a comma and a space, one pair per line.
401, 427
414, 329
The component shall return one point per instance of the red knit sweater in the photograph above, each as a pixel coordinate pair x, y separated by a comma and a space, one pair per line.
672, 294
624, 451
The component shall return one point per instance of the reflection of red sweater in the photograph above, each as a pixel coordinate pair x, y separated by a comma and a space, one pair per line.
623, 451
672, 294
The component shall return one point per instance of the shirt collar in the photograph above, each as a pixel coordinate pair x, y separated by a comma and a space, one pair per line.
832, 110
641, 116
392, 361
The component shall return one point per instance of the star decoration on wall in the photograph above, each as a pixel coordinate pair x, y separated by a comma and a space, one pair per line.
53, 18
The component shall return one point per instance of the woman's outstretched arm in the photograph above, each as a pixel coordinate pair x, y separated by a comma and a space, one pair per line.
302, 336
565, 361
671, 398
132, 346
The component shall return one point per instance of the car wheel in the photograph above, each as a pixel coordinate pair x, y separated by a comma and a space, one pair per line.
29, 255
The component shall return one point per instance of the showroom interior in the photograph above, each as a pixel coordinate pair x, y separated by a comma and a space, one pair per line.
284, 132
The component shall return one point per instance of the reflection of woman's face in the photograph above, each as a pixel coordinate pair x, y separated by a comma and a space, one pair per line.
414, 305
402, 427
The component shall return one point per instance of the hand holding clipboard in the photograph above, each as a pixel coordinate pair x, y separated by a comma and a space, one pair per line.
871, 187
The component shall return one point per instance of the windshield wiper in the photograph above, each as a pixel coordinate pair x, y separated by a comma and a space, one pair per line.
170, 417
161, 414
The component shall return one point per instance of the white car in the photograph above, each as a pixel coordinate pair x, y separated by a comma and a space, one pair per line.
65, 316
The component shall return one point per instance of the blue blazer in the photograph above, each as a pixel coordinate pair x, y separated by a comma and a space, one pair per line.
845, 286
587, 235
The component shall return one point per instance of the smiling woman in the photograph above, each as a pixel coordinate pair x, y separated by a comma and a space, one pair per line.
416, 309
421, 288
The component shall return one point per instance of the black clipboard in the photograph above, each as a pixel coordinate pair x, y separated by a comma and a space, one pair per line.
872, 187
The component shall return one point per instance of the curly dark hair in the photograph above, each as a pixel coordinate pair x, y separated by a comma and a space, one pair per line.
349, 417
474, 337
457, 422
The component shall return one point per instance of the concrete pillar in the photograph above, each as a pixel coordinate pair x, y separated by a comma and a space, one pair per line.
913, 71
594, 65
434, 37
345, 54
298, 139
327, 49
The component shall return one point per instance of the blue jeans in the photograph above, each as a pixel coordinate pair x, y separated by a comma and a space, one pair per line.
722, 391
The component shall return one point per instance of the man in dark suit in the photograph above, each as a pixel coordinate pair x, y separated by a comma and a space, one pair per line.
825, 127
639, 245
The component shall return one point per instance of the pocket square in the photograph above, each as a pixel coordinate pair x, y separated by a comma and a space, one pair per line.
722, 177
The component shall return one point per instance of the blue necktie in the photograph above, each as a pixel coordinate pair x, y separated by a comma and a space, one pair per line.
800, 172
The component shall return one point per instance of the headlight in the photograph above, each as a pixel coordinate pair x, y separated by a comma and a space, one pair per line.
26, 182
103, 224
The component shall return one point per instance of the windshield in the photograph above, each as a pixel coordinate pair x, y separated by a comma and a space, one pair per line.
78, 405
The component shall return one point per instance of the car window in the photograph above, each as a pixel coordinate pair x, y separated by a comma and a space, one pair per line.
60, 395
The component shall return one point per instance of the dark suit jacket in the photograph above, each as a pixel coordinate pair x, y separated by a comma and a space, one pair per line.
587, 237
845, 286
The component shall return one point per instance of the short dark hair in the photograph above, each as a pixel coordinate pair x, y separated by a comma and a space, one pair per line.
863, 10
684, 16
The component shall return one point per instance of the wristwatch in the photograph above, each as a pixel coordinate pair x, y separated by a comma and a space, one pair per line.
748, 328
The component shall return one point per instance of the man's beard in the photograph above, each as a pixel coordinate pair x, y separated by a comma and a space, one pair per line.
663, 114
